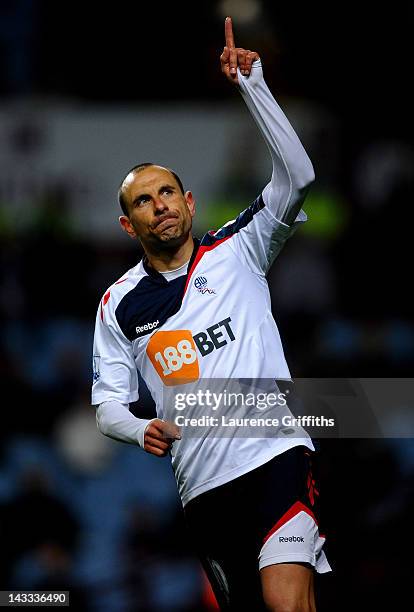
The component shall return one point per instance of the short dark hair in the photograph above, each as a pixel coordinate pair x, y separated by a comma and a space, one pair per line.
135, 170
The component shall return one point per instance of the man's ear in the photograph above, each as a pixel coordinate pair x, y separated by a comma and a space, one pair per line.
190, 202
127, 226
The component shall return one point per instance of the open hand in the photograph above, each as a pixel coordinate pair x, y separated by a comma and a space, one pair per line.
233, 57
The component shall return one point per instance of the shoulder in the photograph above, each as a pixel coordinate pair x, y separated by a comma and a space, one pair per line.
119, 290
234, 226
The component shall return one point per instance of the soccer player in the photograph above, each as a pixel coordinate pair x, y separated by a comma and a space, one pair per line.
193, 310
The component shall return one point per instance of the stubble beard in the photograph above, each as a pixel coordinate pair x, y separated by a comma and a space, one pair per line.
172, 239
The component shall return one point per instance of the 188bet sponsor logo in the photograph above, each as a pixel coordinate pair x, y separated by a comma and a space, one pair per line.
174, 354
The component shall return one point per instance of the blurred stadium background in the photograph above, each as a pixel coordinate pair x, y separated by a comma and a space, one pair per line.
88, 90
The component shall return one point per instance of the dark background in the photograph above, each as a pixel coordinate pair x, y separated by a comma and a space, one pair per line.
103, 519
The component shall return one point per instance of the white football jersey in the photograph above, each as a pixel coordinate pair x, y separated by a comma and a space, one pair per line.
215, 320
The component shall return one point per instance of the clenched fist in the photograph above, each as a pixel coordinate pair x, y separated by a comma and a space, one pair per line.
159, 436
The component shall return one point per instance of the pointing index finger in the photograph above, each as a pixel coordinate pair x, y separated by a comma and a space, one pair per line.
228, 32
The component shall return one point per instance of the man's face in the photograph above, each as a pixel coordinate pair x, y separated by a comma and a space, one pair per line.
159, 214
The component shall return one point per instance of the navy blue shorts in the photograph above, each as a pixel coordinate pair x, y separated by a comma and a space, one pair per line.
267, 516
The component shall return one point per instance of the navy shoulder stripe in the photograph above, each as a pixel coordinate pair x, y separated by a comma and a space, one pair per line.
152, 301
149, 305
242, 220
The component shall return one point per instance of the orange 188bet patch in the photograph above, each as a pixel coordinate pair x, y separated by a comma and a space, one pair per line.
173, 354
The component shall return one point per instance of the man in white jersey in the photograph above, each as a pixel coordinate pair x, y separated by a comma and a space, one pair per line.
193, 310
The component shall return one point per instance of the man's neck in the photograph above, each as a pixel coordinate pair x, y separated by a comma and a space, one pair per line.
163, 261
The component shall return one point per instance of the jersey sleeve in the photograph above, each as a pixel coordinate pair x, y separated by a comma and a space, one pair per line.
117, 422
115, 374
262, 229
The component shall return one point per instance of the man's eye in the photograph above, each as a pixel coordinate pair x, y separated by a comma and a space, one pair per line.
168, 190
142, 200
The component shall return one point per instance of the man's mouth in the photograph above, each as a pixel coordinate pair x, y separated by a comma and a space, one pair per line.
165, 221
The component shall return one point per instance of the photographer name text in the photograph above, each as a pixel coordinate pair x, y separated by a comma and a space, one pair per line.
224, 421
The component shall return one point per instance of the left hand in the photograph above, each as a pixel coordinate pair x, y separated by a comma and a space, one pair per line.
233, 57
159, 436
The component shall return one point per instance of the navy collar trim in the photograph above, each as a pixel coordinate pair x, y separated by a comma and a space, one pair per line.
157, 275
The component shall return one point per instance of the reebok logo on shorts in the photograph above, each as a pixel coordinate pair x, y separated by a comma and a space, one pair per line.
291, 539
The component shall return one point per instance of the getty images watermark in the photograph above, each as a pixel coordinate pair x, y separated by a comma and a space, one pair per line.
261, 401
324, 408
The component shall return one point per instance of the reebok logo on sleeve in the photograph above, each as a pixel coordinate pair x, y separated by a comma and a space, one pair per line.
142, 329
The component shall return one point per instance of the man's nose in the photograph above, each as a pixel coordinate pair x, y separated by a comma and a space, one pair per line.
159, 205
